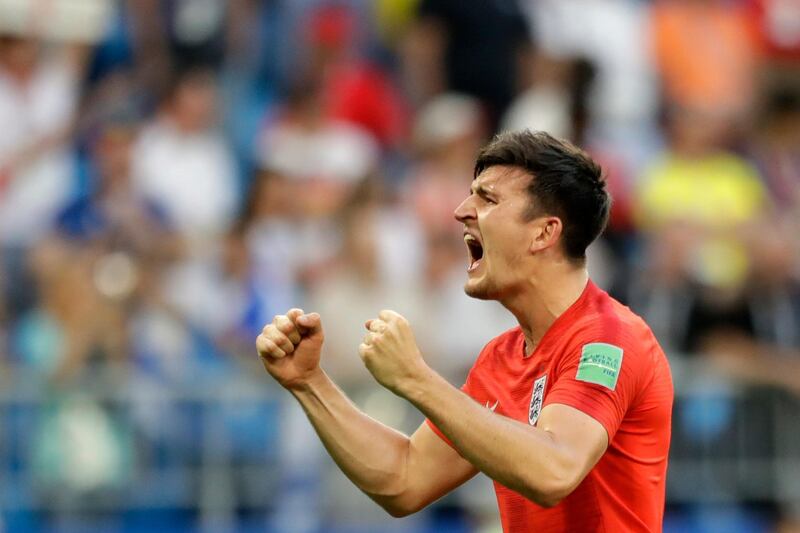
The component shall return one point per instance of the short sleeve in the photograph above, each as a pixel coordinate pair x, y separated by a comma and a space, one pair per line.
601, 379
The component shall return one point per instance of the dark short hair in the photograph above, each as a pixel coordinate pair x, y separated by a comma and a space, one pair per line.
565, 182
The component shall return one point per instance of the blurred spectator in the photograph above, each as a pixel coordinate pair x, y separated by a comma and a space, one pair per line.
448, 132
184, 164
87, 273
109, 247
313, 164
614, 38
718, 284
274, 236
38, 99
225, 297
126, 242
732, 190
352, 89
76, 323
750, 335
114, 215
302, 141
482, 50
546, 104
707, 54
695, 239
764, 348
76, 335
363, 280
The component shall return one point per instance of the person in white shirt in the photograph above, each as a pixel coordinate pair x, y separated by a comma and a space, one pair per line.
182, 162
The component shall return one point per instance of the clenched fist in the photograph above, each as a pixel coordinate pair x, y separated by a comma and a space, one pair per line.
390, 352
289, 347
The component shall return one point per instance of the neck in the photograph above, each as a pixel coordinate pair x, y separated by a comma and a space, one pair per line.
544, 297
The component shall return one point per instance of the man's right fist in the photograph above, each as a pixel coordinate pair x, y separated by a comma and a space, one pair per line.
290, 346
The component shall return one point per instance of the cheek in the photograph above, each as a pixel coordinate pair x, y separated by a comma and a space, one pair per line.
506, 241
506, 238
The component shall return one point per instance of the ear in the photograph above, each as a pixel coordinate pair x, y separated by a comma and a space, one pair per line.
546, 233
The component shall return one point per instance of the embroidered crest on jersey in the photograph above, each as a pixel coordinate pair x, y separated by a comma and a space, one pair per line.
600, 364
537, 398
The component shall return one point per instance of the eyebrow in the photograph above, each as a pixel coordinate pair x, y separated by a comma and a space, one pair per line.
481, 191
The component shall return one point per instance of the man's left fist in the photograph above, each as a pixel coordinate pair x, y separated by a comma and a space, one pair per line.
390, 352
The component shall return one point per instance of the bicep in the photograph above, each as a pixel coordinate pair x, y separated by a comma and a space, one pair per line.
434, 468
581, 439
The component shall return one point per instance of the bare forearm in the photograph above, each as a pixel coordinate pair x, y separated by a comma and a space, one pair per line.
520, 457
371, 454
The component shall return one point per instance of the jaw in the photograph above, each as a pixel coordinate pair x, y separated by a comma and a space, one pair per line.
477, 292
501, 284
478, 284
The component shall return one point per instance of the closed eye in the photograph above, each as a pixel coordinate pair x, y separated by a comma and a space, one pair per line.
486, 198
484, 195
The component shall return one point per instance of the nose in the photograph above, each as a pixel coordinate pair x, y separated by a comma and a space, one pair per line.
465, 211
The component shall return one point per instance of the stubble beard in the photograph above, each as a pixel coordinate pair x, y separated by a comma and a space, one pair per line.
483, 290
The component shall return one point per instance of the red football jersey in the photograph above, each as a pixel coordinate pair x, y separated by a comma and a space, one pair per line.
600, 358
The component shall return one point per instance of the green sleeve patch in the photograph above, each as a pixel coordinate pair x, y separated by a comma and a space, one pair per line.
600, 364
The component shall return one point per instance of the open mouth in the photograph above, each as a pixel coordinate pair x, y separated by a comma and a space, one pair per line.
475, 249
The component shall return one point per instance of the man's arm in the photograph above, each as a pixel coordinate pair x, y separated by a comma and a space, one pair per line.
401, 474
543, 463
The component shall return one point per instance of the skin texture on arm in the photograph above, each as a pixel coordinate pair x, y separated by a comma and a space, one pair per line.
543, 463
399, 473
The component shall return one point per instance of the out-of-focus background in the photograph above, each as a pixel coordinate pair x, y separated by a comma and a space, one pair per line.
174, 173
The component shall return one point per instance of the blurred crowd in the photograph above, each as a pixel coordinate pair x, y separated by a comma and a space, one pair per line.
174, 173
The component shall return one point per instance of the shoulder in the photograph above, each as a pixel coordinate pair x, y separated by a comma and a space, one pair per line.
608, 326
609, 349
611, 319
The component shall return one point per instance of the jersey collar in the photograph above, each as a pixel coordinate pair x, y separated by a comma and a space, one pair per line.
562, 323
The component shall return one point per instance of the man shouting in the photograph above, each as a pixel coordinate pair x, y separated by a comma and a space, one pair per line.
569, 413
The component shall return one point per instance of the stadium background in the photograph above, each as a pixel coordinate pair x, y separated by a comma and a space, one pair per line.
173, 173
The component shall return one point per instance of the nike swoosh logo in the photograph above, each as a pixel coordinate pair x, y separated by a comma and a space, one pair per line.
492, 408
